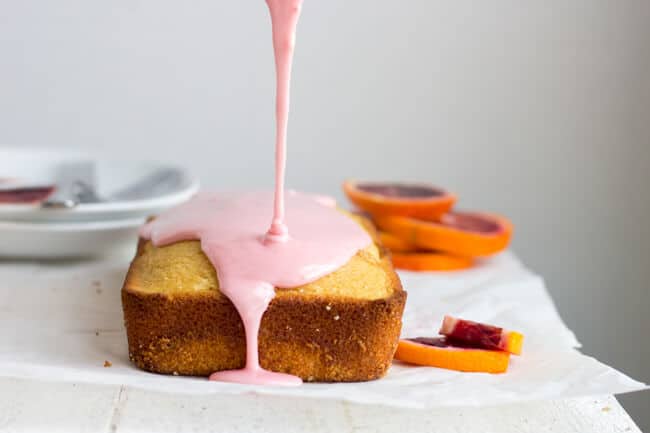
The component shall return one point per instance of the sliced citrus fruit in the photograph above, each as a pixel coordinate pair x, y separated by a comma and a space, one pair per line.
430, 261
460, 233
481, 335
437, 352
395, 244
25, 195
414, 200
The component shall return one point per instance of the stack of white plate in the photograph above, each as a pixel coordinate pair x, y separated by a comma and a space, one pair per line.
96, 206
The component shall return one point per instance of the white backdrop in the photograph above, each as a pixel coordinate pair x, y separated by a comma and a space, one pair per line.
539, 110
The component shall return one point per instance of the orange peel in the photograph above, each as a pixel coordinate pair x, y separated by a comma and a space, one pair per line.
435, 352
427, 261
404, 199
459, 233
394, 243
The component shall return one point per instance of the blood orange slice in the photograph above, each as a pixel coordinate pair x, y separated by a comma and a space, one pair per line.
395, 244
437, 352
481, 335
414, 200
460, 233
430, 261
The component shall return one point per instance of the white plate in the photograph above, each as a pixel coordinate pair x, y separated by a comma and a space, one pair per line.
66, 240
38, 166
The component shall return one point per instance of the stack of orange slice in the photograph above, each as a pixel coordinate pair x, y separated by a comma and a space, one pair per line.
423, 233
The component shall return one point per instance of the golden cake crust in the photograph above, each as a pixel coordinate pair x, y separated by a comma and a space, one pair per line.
318, 335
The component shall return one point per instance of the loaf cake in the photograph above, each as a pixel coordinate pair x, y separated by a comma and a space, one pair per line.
342, 327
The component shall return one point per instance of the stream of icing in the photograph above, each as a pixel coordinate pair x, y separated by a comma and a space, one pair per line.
250, 259
284, 19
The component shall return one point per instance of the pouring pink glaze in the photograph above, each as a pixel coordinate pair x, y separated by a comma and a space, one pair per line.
284, 19
250, 260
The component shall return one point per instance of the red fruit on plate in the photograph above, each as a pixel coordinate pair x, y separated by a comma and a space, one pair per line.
480, 335
25, 195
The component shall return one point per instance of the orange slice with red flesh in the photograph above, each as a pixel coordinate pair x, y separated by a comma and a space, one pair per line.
407, 256
480, 335
430, 261
395, 244
404, 199
437, 352
459, 233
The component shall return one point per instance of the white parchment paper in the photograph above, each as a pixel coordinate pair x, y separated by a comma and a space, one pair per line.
61, 321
